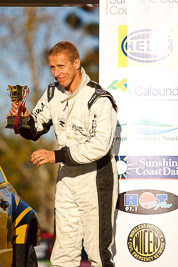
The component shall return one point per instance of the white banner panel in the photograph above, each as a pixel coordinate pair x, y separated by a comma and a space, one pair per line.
139, 66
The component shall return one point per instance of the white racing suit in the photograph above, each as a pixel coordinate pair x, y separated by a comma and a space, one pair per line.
87, 184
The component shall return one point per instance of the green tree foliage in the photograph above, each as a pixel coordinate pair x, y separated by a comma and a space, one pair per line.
25, 36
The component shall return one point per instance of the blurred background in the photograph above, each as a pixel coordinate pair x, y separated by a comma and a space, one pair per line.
26, 34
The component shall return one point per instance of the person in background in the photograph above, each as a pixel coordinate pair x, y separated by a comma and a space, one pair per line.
84, 117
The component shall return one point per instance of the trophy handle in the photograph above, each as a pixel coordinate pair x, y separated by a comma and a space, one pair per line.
8, 92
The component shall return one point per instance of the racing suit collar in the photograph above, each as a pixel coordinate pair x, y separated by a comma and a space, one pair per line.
84, 81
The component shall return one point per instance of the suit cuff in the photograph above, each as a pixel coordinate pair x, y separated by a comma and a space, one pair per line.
63, 155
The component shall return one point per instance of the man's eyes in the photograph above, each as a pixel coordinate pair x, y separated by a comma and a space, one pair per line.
58, 67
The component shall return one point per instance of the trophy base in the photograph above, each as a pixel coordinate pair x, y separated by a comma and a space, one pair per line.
23, 122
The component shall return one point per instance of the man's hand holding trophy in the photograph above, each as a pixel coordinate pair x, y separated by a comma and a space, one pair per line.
18, 116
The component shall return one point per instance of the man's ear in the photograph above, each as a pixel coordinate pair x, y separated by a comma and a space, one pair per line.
77, 63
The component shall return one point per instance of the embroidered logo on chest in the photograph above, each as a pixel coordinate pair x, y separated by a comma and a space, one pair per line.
61, 123
38, 111
77, 128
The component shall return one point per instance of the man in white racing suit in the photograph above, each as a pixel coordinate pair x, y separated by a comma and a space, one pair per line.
84, 118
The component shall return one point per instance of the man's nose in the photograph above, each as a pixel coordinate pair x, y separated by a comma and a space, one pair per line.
57, 72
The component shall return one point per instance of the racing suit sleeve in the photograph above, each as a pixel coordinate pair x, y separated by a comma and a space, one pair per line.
102, 125
40, 120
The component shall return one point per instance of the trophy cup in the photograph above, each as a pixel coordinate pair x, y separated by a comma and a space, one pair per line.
18, 95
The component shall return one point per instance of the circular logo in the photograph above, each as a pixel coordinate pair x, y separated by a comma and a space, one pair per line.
121, 166
147, 45
147, 200
146, 242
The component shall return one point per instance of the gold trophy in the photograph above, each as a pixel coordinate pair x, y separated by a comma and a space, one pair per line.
18, 95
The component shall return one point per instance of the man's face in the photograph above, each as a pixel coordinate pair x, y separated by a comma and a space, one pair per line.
63, 70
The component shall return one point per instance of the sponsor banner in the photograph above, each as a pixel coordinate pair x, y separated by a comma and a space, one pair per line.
144, 45
140, 88
147, 47
147, 118
146, 242
138, 66
116, 8
122, 9
147, 202
147, 167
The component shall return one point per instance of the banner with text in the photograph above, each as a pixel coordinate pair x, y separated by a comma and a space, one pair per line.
139, 66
